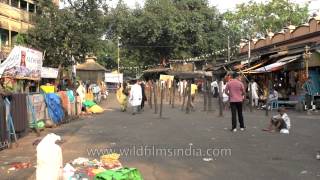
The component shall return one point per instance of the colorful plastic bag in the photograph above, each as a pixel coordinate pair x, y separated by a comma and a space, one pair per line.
121, 174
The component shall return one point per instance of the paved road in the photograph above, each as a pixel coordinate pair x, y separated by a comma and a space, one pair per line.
176, 146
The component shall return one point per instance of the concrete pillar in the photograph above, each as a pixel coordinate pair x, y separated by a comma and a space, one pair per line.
19, 4
10, 2
27, 6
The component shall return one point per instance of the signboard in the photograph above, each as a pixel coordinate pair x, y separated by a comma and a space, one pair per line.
167, 79
22, 63
113, 78
51, 73
182, 67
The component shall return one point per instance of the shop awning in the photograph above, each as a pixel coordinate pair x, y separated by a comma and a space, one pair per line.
255, 66
277, 65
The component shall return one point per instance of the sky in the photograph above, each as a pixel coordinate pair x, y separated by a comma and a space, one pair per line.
224, 5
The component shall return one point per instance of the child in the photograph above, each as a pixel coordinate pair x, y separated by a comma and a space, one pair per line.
280, 123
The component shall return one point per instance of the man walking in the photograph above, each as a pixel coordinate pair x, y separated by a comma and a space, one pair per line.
236, 92
144, 97
135, 97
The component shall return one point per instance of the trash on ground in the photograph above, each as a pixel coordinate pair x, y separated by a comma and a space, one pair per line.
80, 161
108, 167
21, 165
304, 172
207, 159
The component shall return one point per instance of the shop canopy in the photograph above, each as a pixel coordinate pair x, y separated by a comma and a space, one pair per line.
277, 65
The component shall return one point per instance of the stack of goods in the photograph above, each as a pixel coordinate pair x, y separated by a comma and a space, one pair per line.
92, 107
109, 167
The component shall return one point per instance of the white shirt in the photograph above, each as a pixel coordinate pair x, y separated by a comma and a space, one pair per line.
286, 119
135, 95
213, 85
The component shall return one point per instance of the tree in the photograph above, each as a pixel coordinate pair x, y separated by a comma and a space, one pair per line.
167, 29
67, 35
256, 19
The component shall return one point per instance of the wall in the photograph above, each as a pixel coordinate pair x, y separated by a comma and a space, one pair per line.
93, 76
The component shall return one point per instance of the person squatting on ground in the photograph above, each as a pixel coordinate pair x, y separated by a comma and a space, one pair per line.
280, 123
236, 92
135, 97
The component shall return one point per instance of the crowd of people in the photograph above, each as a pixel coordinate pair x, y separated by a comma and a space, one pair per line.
234, 92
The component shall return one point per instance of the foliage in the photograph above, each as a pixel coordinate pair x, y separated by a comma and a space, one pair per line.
166, 29
256, 19
67, 35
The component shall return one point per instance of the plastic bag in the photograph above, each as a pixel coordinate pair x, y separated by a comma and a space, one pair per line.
121, 174
49, 158
284, 131
96, 109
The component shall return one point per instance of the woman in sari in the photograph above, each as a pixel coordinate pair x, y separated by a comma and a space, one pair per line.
122, 97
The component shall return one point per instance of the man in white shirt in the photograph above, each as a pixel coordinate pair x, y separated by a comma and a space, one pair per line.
215, 88
254, 93
280, 122
135, 97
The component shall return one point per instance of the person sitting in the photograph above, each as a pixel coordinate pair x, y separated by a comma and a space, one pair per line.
280, 123
274, 96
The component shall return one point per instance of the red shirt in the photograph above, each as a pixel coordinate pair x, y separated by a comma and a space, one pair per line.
235, 90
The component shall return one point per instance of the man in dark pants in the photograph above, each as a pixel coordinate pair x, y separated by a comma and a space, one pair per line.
236, 92
309, 88
144, 97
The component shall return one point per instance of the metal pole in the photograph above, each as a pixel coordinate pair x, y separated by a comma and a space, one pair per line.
249, 53
188, 108
118, 54
161, 101
250, 96
228, 48
210, 96
268, 94
205, 96
155, 97
220, 99
173, 93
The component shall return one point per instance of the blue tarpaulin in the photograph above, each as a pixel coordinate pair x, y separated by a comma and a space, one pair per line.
54, 107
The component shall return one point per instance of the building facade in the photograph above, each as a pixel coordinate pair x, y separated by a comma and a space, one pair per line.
16, 16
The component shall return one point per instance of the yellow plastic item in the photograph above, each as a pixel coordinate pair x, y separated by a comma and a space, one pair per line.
47, 89
96, 109
89, 96
97, 171
110, 158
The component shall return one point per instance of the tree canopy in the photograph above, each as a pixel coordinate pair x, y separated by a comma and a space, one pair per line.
67, 35
255, 19
155, 33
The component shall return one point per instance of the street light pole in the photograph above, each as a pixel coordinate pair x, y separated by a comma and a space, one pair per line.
119, 54
228, 48
249, 52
